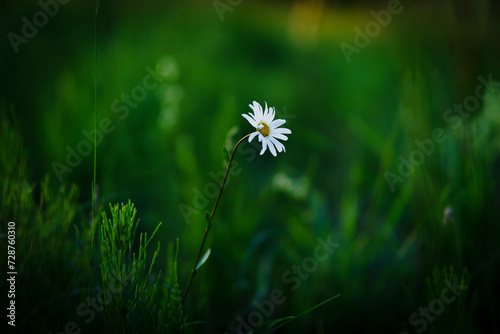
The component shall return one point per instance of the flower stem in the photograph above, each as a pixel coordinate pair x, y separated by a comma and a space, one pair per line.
209, 223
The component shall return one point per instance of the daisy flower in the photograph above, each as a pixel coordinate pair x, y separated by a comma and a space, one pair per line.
267, 128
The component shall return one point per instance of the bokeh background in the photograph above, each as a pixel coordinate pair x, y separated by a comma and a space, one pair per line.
352, 118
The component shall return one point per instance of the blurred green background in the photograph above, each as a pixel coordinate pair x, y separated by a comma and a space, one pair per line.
351, 120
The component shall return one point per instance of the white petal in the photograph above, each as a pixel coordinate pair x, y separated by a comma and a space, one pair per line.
264, 146
271, 148
271, 113
250, 120
278, 136
251, 115
266, 111
279, 146
276, 123
282, 130
252, 135
267, 117
257, 109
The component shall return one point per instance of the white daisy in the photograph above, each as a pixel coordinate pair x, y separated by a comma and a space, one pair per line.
267, 129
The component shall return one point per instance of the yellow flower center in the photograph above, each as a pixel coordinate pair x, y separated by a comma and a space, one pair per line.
264, 130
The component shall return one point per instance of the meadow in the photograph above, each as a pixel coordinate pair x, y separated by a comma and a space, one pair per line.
118, 121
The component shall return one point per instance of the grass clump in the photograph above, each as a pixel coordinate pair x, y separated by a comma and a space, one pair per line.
129, 303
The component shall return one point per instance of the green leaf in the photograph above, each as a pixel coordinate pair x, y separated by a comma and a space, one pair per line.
273, 325
203, 259
225, 154
276, 322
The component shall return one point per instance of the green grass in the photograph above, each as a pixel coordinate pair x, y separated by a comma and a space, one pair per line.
349, 122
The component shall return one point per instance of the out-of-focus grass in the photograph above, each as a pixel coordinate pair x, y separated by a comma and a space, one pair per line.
349, 122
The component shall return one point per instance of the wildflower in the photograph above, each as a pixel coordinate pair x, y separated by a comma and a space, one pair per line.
267, 128
269, 131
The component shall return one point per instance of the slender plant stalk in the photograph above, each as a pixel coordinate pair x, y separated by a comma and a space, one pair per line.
95, 148
209, 223
95, 111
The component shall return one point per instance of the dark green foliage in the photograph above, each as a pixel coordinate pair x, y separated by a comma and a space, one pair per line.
274, 325
131, 309
53, 259
175, 319
350, 122
52, 240
458, 314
